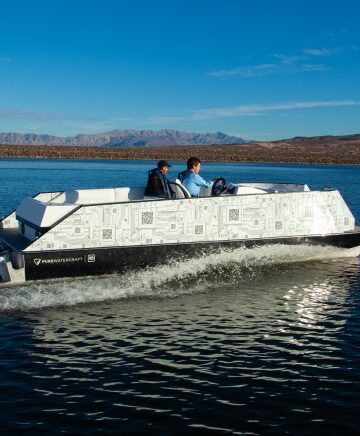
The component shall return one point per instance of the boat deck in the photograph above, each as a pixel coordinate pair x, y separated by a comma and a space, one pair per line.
13, 239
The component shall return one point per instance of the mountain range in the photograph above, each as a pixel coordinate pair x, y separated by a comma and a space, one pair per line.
123, 138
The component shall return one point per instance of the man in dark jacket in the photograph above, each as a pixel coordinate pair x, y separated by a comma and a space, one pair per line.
158, 184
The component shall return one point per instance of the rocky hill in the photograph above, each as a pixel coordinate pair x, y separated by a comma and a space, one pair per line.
314, 142
317, 149
335, 150
124, 138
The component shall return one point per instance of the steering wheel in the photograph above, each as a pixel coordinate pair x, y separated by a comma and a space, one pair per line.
218, 187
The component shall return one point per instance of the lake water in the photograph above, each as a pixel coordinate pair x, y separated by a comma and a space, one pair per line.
251, 342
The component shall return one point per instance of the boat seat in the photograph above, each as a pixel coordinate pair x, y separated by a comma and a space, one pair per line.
179, 190
129, 194
86, 196
98, 196
40, 214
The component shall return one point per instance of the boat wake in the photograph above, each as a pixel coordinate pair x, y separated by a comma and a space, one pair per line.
172, 280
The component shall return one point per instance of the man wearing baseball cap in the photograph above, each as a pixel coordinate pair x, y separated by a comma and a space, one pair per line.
158, 184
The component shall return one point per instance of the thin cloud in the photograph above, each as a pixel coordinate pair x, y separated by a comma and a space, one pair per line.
163, 119
84, 123
28, 115
252, 110
255, 70
287, 65
149, 120
185, 117
321, 51
289, 59
127, 122
4, 59
311, 67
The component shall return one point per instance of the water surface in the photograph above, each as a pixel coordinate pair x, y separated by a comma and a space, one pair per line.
250, 341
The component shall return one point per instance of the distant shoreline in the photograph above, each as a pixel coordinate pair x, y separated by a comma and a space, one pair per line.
256, 153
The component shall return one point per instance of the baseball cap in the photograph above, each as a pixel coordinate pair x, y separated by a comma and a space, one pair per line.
163, 163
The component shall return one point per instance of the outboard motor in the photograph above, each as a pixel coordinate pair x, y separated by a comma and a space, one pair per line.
17, 259
12, 267
4, 271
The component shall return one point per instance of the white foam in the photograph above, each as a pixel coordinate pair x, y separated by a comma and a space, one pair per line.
169, 280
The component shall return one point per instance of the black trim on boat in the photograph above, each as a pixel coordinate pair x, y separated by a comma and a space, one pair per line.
107, 260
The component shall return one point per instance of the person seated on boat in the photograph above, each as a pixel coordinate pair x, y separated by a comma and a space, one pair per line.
191, 179
157, 183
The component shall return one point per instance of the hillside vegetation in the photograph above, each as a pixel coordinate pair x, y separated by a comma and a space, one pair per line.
340, 150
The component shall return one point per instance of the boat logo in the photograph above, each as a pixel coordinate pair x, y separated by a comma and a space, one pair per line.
91, 257
37, 261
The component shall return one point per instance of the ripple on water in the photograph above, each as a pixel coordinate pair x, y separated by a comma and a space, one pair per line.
249, 342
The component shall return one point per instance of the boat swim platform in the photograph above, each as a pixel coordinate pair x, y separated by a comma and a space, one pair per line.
12, 238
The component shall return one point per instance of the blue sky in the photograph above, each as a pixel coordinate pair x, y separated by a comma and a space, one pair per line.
260, 69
